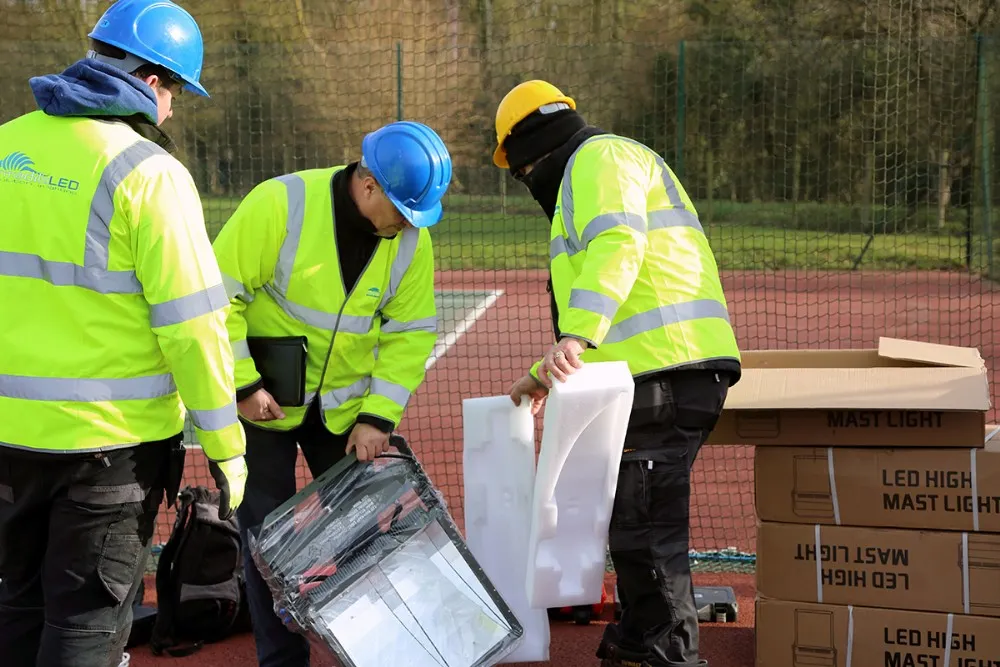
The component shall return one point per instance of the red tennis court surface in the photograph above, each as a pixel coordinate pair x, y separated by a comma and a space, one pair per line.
723, 644
769, 310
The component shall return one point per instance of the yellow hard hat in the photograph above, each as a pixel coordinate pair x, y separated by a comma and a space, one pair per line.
522, 101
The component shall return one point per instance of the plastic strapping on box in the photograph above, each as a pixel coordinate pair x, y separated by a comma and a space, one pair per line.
833, 485
850, 635
947, 639
975, 490
965, 572
819, 566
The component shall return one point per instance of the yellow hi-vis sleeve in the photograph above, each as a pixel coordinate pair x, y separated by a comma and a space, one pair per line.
408, 330
247, 250
610, 183
187, 301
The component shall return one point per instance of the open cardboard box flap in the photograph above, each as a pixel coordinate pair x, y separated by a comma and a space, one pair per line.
931, 354
899, 374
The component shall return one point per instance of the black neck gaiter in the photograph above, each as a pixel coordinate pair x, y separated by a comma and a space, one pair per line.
538, 135
547, 141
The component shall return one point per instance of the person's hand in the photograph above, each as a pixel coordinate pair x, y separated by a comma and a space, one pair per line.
287, 619
367, 441
533, 389
231, 480
562, 360
260, 406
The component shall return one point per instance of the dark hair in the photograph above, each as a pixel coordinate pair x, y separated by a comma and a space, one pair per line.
169, 79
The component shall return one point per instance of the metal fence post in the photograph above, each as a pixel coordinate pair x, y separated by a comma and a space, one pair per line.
986, 144
681, 106
399, 80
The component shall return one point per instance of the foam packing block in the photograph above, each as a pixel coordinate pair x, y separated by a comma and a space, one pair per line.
582, 439
498, 462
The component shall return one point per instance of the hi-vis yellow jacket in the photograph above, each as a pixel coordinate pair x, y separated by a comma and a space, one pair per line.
366, 350
632, 270
113, 309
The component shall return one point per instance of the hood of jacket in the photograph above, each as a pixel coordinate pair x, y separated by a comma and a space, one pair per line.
89, 87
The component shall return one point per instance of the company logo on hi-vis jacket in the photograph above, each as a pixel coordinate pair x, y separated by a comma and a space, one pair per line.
18, 168
373, 292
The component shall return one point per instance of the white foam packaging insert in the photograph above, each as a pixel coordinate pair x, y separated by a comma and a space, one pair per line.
499, 470
583, 435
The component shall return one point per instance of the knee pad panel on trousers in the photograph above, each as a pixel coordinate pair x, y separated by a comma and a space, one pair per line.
118, 565
652, 506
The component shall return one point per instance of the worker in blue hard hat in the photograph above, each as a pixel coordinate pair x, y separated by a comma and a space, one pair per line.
330, 273
114, 329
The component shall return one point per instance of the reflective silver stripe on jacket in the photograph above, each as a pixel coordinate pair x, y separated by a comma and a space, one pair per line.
318, 318
593, 302
664, 316
240, 349
296, 192
428, 324
336, 397
188, 307
214, 420
110, 389
400, 265
650, 320
89, 390
235, 289
93, 274
278, 288
396, 393
678, 216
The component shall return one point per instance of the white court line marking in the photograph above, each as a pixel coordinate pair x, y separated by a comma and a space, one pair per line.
450, 338
440, 348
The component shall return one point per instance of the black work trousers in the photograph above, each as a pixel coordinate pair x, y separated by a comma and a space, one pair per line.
75, 533
271, 458
671, 419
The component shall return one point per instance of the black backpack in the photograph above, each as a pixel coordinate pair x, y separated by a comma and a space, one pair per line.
200, 590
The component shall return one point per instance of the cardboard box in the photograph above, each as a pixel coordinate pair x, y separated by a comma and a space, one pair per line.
792, 634
904, 393
877, 567
896, 488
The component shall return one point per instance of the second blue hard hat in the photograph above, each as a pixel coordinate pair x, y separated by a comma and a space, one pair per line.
412, 165
156, 31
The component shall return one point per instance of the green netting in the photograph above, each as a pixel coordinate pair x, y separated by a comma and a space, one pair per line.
840, 155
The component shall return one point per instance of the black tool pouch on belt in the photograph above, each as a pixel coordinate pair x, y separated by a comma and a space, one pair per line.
690, 399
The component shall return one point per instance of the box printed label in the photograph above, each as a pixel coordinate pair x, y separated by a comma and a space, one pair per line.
839, 563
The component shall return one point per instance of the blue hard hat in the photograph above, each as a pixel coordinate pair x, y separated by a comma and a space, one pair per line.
411, 163
158, 32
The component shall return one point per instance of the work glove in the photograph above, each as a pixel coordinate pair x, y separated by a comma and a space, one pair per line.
231, 480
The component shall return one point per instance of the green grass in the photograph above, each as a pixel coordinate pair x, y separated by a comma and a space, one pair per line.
492, 241
478, 233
